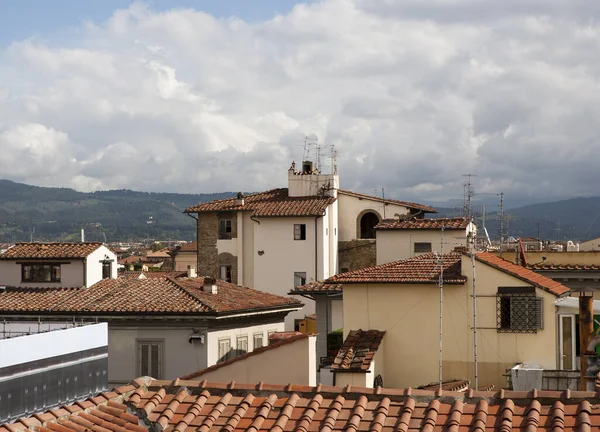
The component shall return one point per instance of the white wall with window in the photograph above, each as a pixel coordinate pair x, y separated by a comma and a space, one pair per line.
224, 344
96, 265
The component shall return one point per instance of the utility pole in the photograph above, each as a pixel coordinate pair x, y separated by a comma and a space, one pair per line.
501, 222
441, 285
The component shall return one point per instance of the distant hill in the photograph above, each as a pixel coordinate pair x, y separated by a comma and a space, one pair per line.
572, 219
120, 215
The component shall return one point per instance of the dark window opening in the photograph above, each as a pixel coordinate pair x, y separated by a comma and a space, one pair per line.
226, 273
299, 279
518, 313
40, 272
150, 357
422, 247
367, 225
299, 231
225, 229
106, 270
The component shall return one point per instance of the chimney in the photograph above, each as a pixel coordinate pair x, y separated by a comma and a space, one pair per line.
210, 285
82, 236
191, 272
240, 198
308, 167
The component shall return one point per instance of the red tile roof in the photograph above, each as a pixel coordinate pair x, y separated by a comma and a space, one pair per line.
158, 296
411, 205
358, 350
275, 202
50, 251
454, 386
189, 247
522, 273
317, 288
194, 406
422, 269
258, 351
564, 267
163, 253
151, 274
423, 224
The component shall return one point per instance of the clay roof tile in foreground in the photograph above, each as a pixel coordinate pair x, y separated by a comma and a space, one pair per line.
358, 351
423, 224
275, 202
157, 296
422, 269
564, 267
522, 273
37, 251
199, 406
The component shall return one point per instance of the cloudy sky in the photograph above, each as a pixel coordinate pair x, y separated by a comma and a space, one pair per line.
206, 96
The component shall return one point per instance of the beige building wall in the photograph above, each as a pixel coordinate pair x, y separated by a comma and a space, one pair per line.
590, 245
410, 315
350, 207
248, 249
394, 245
294, 363
71, 274
185, 259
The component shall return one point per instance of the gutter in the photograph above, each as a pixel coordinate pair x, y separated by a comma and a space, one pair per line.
316, 249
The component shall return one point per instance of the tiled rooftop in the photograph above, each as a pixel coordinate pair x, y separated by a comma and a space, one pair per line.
454, 386
423, 224
358, 350
275, 202
422, 269
189, 247
411, 205
50, 251
191, 406
317, 288
564, 267
258, 351
158, 296
522, 273
151, 274
163, 253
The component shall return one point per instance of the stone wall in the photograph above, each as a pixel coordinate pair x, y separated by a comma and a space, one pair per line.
356, 254
208, 232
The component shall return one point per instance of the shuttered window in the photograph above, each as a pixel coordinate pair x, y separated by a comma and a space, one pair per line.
150, 355
518, 311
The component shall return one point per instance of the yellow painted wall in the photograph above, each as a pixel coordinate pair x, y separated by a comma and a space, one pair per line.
588, 257
410, 315
185, 259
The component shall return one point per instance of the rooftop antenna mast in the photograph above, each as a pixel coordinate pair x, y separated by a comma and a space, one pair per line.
441, 285
468, 204
468, 196
501, 222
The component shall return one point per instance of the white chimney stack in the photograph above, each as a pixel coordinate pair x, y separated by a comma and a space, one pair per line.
210, 286
82, 235
191, 272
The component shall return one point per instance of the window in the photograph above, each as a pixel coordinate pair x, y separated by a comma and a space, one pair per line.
40, 272
224, 229
224, 349
242, 344
150, 355
299, 231
258, 340
518, 310
367, 225
299, 278
226, 273
106, 269
422, 247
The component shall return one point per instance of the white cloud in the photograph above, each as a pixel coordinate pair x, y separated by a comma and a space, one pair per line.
413, 94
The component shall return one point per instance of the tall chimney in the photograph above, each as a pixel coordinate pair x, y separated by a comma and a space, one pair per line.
191, 272
82, 235
210, 285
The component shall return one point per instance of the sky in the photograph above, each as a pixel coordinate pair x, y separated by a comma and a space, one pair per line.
208, 96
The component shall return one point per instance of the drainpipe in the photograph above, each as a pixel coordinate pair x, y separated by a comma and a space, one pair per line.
85, 272
197, 243
586, 331
316, 251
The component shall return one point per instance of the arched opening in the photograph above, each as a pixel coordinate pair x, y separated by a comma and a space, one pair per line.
367, 225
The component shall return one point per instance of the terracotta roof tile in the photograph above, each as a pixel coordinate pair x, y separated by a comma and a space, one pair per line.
522, 273
317, 288
135, 296
422, 269
411, 205
358, 351
275, 202
189, 247
151, 274
454, 386
50, 251
423, 224
200, 406
564, 267
258, 351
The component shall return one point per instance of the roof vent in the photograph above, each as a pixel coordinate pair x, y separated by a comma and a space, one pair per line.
210, 286
240, 198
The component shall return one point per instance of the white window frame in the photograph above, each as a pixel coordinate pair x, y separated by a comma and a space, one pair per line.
260, 335
573, 341
242, 339
222, 356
